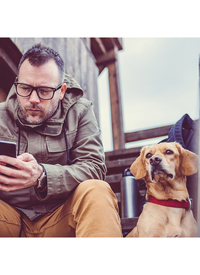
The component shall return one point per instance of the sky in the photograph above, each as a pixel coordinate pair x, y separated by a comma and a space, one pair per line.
159, 83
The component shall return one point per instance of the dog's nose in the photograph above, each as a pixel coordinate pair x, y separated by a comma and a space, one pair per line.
155, 160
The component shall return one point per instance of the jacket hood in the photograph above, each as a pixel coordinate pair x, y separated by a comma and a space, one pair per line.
53, 125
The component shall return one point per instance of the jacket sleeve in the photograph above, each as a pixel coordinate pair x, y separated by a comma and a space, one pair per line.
87, 159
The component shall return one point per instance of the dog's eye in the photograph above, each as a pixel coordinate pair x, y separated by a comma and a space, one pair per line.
148, 155
169, 152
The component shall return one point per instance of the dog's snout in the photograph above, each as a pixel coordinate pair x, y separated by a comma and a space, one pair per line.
155, 160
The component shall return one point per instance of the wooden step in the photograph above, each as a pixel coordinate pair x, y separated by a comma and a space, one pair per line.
116, 162
118, 166
122, 153
128, 224
114, 181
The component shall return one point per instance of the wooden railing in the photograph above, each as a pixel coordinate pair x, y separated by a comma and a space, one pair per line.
147, 134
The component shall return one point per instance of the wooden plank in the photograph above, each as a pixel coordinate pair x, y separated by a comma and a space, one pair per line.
146, 134
76, 59
83, 64
8, 61
120, 163
122, 153
106, 58
128, 224
100, 44
69, 56
114, 181
114, 178
116, 108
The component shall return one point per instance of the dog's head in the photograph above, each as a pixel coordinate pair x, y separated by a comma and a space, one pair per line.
164, 161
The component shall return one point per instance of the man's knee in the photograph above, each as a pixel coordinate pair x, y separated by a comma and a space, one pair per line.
94, 183
96, 191
94, 186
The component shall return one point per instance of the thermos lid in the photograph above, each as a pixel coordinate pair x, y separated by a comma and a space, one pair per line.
127, 172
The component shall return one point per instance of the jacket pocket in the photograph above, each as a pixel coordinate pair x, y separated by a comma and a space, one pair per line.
57, 148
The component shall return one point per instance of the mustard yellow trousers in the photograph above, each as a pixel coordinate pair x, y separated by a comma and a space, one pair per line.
90, 211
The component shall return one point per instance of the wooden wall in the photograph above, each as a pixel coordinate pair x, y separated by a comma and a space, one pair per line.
79, 61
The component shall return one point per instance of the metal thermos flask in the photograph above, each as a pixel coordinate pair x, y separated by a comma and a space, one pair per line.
129, 195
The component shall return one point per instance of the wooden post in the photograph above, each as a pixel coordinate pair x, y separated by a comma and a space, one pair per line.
116, 106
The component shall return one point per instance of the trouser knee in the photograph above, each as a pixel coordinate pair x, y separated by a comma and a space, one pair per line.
95, 210
94, 185
96, 191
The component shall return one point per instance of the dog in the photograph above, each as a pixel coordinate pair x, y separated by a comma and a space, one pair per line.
167, 212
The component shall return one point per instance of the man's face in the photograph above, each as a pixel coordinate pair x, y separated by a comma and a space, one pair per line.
34, 109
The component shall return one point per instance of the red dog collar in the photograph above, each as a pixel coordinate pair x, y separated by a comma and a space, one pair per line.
171, 203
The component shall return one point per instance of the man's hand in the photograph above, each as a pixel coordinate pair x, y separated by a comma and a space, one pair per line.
25, 174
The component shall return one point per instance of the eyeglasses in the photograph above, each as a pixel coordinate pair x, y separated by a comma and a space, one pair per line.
26, 90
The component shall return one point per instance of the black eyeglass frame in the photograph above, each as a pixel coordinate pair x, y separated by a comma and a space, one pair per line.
36, 89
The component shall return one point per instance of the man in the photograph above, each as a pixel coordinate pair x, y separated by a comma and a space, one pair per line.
56, 188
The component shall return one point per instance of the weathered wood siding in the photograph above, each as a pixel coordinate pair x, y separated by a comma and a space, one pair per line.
79, 61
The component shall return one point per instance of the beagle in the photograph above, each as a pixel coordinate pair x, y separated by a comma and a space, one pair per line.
167, 212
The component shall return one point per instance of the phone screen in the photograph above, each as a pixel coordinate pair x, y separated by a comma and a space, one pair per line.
8, 148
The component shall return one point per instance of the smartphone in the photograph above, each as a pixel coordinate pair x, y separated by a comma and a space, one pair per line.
8, 148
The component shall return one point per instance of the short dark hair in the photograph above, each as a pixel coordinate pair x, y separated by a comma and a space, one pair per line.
40, 54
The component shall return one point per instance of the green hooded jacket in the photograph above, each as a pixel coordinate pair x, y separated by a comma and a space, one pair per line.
48, 144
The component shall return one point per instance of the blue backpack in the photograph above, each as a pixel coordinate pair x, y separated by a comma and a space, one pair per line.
185, 132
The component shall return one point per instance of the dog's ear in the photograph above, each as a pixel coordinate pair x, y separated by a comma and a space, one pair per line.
138, 168
188, 162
